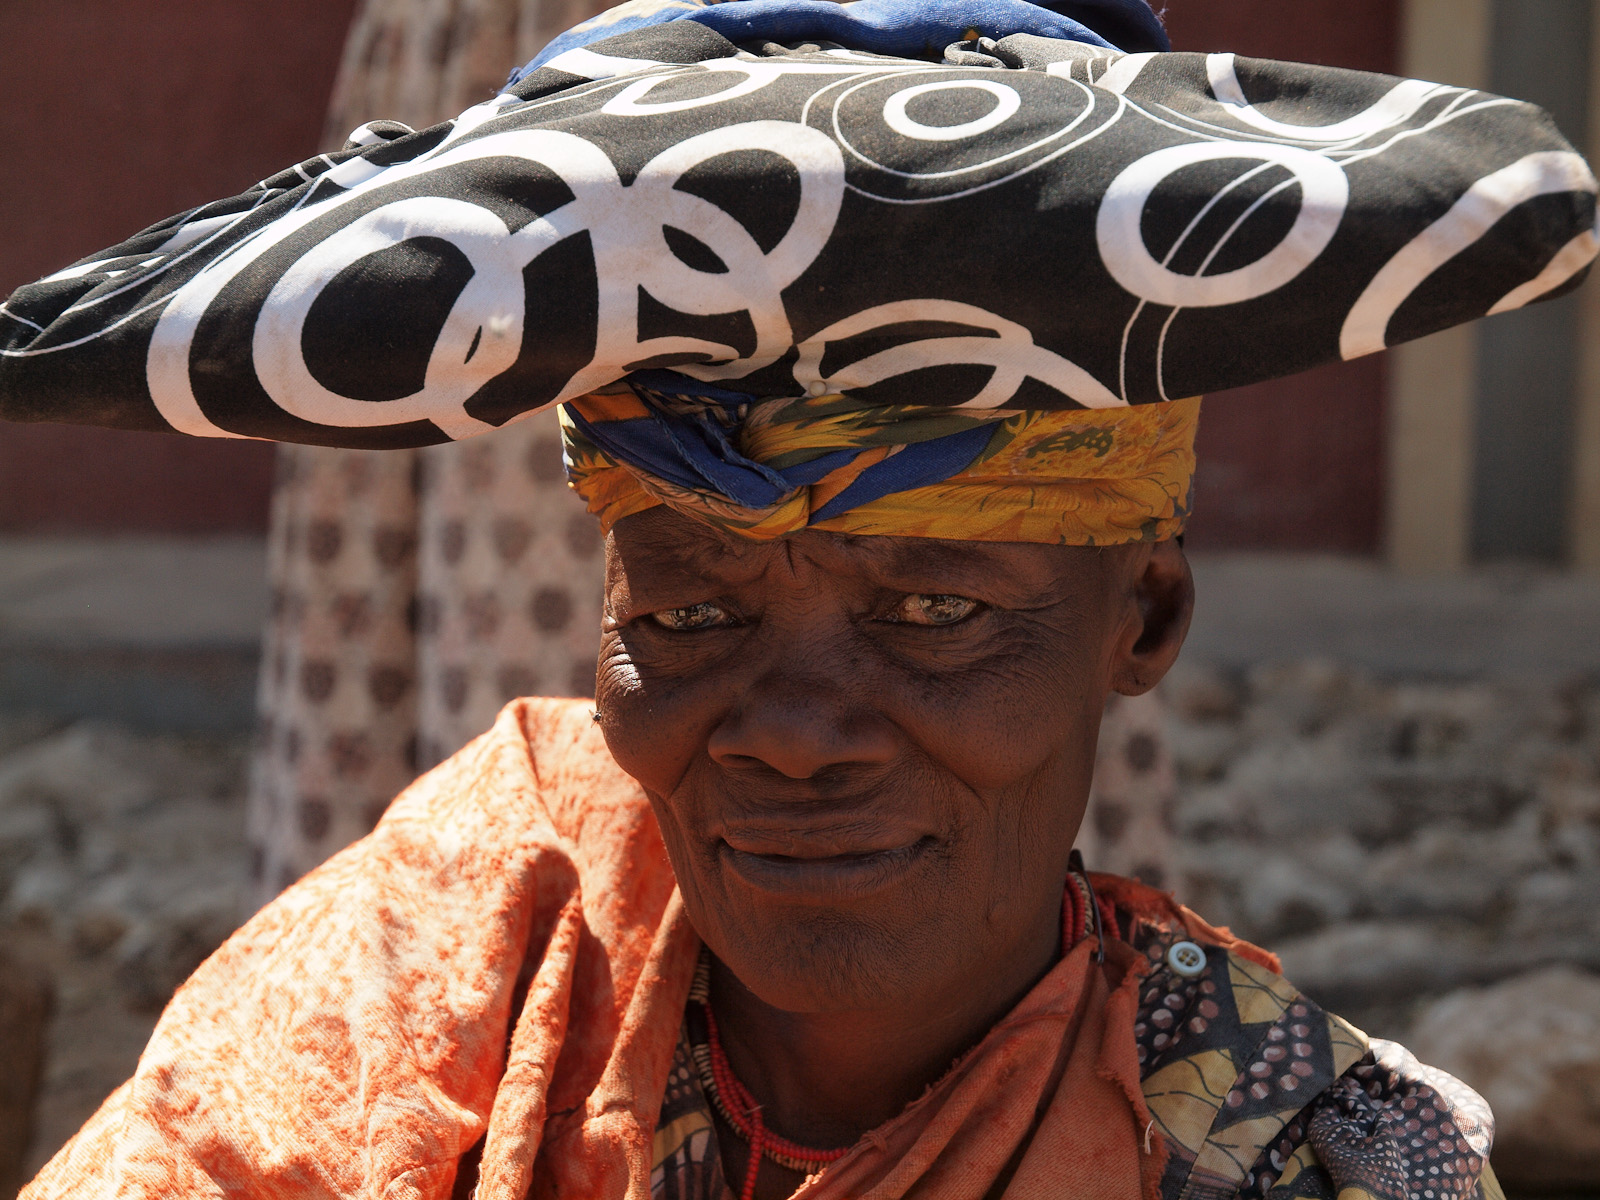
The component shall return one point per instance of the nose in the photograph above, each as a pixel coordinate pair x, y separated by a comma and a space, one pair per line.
801, 720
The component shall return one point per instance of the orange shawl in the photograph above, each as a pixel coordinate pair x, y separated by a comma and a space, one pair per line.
352, 1039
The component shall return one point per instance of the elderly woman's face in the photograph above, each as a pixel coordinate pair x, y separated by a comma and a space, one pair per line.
869, 755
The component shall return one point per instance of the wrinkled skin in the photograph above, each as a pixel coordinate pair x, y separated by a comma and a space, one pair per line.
869, 757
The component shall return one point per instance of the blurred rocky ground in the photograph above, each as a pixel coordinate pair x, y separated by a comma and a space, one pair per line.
1391, 839
127, 674
122, 865
1394, 783
1425, 857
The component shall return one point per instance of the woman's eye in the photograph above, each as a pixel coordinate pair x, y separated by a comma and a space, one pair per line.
935, 609
695, 616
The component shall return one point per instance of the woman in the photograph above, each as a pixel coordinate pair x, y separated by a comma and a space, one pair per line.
903, 296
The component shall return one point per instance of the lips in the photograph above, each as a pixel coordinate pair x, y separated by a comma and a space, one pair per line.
821, 867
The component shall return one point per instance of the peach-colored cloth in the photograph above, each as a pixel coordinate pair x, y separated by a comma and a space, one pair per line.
1055, 1084
352, 1039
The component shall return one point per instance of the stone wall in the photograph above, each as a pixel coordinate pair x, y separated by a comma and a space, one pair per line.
1391, 840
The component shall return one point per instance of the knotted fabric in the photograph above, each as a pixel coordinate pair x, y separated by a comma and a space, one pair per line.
1095, 477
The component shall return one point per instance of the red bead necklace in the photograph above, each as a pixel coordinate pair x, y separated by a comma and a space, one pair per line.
739, 1108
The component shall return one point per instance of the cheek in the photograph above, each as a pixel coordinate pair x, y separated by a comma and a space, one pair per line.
655, 737
1001, 725
655, 728
656, 717
640, 730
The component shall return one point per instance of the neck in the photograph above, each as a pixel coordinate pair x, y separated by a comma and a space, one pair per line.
824, 1079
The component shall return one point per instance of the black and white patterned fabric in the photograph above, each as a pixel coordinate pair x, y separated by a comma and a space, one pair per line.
1026, 224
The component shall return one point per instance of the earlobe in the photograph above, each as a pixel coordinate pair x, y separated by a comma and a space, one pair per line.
1163, 595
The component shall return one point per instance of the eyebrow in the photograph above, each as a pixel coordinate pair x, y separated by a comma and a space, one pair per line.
707, 551
715, 556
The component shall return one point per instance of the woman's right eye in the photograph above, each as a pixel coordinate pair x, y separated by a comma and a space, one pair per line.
695, 616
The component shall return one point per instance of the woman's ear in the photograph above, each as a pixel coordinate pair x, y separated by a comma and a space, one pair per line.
1163, 598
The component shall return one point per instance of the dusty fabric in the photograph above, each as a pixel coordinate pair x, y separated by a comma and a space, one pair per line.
1387, 1127
1051, 1094
686, 1165
352, 1038
1087, 478
506, 958
337, 692
413, 595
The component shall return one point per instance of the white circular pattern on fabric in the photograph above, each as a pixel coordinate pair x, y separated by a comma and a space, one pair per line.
630, 101
1012, 353
1059, 108
480, 339
1187, 959
1399, 105
1007, 102
483, 332
1324, 195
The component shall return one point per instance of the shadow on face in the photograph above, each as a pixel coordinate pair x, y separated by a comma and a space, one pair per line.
869, 755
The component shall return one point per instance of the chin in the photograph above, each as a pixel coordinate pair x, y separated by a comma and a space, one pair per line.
828, 962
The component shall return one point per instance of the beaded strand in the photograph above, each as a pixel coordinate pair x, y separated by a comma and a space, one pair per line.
739, 1108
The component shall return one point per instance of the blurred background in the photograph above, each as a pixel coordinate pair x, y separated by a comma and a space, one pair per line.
1380, 756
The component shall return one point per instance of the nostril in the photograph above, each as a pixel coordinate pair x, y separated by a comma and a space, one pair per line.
802, 717
801, 750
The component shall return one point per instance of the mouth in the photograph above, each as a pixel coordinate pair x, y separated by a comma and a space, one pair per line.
825, 876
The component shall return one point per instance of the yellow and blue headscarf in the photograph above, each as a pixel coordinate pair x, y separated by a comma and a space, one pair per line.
764, 469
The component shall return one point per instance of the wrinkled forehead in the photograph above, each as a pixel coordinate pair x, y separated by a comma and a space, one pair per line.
662, 548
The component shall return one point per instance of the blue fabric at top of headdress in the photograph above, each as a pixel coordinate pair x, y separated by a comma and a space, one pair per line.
908, 28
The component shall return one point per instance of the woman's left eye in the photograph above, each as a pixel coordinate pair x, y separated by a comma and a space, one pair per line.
925, 609
695, 616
